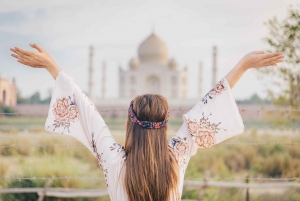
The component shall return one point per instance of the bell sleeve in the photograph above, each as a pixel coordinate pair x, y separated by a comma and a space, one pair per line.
72, 113
212, 120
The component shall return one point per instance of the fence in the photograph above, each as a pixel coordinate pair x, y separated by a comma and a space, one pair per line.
188, 185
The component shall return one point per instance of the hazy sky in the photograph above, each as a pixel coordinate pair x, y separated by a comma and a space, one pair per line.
190, 28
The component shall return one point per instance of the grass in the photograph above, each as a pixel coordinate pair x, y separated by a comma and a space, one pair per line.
222, 160
15, 124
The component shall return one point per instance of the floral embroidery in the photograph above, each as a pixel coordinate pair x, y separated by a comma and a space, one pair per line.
97, 155
179, 147
91, 103
118, 147
99, 158
203, 132
217, 90
65, 112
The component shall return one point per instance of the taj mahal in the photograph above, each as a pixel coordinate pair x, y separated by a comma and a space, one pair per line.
151, 72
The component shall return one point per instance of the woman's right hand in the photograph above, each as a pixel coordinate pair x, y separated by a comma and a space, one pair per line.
40, 59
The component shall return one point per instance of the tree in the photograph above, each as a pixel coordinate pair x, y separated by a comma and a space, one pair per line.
284, 37
20, 98
34, 98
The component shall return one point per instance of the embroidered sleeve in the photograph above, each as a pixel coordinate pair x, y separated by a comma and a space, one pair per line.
72, 113
212, 120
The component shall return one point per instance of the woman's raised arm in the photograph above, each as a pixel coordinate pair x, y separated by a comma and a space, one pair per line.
40, 59
255, 59
71, 112
216, 117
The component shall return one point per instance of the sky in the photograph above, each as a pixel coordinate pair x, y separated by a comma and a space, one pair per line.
115, 28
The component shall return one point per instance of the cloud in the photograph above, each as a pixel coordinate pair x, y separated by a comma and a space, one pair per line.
67, 28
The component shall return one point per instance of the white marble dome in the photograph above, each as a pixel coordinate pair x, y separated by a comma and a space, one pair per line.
153, 50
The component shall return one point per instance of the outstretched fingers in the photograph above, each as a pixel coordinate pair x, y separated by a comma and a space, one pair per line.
21, 54
24, 52
24, 62
35, 46
270, 55
273, 60
19, 58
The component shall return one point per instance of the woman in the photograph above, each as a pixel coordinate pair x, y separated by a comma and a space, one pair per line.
149, 167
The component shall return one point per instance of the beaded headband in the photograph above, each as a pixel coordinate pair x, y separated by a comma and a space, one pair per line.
146, 124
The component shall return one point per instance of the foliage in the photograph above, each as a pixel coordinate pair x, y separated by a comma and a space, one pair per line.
7, 109
34, 196
33, 99
21, 196
284, 37
220, 161
254, 99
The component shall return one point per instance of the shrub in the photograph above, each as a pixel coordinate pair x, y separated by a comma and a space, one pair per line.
21, 196
6, 109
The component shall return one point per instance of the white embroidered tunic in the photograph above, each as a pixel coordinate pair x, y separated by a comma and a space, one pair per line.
212, 120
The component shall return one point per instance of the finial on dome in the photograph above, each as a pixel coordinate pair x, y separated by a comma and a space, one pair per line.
153, 27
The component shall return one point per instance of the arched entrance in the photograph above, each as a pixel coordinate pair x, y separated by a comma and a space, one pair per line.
153, 85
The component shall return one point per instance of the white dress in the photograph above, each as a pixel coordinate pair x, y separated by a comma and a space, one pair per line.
212, 120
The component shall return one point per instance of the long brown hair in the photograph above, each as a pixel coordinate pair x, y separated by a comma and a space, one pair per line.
151, 172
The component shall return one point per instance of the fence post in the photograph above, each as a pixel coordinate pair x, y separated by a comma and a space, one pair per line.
247, 189
42, 194
202, 188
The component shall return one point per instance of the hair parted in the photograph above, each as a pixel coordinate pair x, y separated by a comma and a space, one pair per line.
151, 173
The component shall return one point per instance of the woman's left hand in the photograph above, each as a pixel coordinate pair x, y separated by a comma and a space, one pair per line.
256, 59
259, 59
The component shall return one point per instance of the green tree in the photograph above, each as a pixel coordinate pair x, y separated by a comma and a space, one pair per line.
284, 37
20, 98
34, 98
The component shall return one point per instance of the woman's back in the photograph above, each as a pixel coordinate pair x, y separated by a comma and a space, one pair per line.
127, 169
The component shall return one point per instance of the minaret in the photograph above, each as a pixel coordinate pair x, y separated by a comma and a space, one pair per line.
121, 82
215, 69
200, 79
91, 76
184, 82
103, 80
